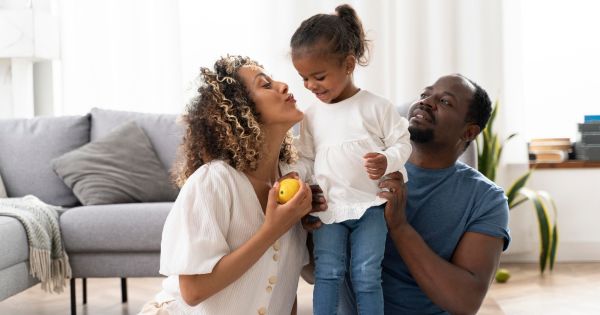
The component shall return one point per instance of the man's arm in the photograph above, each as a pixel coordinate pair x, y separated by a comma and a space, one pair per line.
457, 286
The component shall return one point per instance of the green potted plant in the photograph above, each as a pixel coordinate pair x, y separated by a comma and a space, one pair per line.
488, 158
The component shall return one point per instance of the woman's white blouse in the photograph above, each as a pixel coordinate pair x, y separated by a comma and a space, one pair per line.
337, 136
215, 213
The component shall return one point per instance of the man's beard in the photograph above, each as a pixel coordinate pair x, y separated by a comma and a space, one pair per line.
420, 135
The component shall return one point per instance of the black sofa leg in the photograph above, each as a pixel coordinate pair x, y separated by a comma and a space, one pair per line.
73, 302
84, 285
124, 290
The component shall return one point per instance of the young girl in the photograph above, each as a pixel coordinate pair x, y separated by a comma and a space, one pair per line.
354, 137
227, 246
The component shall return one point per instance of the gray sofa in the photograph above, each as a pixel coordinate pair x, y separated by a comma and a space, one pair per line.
116, 240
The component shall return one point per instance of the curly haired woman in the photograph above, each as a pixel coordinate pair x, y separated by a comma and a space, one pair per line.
227, 246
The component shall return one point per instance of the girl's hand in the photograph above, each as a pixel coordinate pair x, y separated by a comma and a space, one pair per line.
280, 218
309, 222
375, 164
395, 214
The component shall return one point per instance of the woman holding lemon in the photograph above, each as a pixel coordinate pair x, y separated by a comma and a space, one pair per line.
228, 246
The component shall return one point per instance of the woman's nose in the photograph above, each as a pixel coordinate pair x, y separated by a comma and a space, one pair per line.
283, 88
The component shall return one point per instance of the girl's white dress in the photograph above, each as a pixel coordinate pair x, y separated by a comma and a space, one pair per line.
337, 136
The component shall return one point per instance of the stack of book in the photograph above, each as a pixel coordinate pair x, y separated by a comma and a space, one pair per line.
550, 150
588, 145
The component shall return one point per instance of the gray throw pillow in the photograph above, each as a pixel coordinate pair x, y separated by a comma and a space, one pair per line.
120, 167
164, 132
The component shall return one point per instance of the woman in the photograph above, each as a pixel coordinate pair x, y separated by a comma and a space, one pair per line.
227, 246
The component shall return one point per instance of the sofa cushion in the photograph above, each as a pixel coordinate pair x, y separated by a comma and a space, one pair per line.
115, 265
132, 227
2, 189
28, 146
162, 130
16, 279
14, 246
121, 167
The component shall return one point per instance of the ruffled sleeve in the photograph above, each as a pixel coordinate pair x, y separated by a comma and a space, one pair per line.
194, 234
306, 153
394, 134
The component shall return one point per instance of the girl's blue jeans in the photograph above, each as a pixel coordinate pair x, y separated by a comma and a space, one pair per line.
355, 244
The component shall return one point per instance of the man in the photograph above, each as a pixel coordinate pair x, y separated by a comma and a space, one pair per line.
449, 224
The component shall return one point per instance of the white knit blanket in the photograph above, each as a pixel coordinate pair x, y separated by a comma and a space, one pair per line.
48, 260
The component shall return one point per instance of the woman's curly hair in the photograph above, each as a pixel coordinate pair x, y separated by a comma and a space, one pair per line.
222, 123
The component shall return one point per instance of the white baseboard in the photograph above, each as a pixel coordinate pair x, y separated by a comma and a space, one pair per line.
566, 252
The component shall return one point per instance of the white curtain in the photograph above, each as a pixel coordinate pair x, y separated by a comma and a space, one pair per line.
144, 55
120, 54
415, 42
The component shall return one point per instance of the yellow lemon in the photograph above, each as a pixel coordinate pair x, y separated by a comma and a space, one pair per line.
287, 189
502, 275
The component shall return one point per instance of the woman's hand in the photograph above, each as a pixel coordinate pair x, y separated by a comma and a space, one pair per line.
280, 218
395, 214
309, 222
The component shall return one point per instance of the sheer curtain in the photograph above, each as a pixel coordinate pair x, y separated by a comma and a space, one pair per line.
413, 42
120, 54
144, 55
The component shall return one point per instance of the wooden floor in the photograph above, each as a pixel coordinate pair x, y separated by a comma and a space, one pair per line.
570, 289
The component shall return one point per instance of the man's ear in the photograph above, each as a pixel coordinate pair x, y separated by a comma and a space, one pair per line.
350, 63
471, 132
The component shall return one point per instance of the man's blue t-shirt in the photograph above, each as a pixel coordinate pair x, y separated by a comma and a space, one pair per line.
442, 205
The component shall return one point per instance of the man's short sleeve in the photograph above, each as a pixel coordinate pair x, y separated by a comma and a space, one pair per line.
490, 216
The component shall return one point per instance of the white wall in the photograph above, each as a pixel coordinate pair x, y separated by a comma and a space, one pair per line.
577, 200
550, 81
552, 66
561, 66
